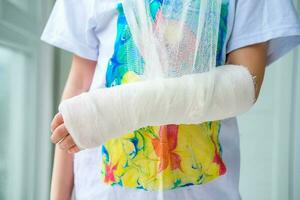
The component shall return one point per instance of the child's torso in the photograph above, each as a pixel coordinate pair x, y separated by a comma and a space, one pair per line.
166, 158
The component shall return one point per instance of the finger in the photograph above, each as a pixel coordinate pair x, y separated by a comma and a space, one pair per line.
73, 149
59, 133
57, 120
66, 143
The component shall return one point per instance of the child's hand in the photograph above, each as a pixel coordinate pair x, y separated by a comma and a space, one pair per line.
61, 136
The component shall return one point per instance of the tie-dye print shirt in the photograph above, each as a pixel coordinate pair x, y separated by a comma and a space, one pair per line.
184, 162
163, 157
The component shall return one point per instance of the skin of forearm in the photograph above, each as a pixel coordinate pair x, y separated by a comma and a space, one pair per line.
79, 80
254, 58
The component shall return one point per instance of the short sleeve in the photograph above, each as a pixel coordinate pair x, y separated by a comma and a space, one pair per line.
71, 27
256, 21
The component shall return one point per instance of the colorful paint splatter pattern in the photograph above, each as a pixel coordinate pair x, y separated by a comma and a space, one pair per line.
162, 157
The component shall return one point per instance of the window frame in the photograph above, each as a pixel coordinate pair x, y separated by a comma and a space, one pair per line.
20, 31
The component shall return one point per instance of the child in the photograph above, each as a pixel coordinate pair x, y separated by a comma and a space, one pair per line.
252, 33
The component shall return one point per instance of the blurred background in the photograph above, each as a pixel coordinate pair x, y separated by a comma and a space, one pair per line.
32, 77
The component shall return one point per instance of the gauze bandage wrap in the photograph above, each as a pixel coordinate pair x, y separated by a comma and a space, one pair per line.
96, 116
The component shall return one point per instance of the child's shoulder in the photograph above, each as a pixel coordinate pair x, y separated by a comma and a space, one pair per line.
76, 7
83, 4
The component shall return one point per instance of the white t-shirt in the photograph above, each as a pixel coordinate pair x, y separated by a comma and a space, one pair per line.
123, 168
